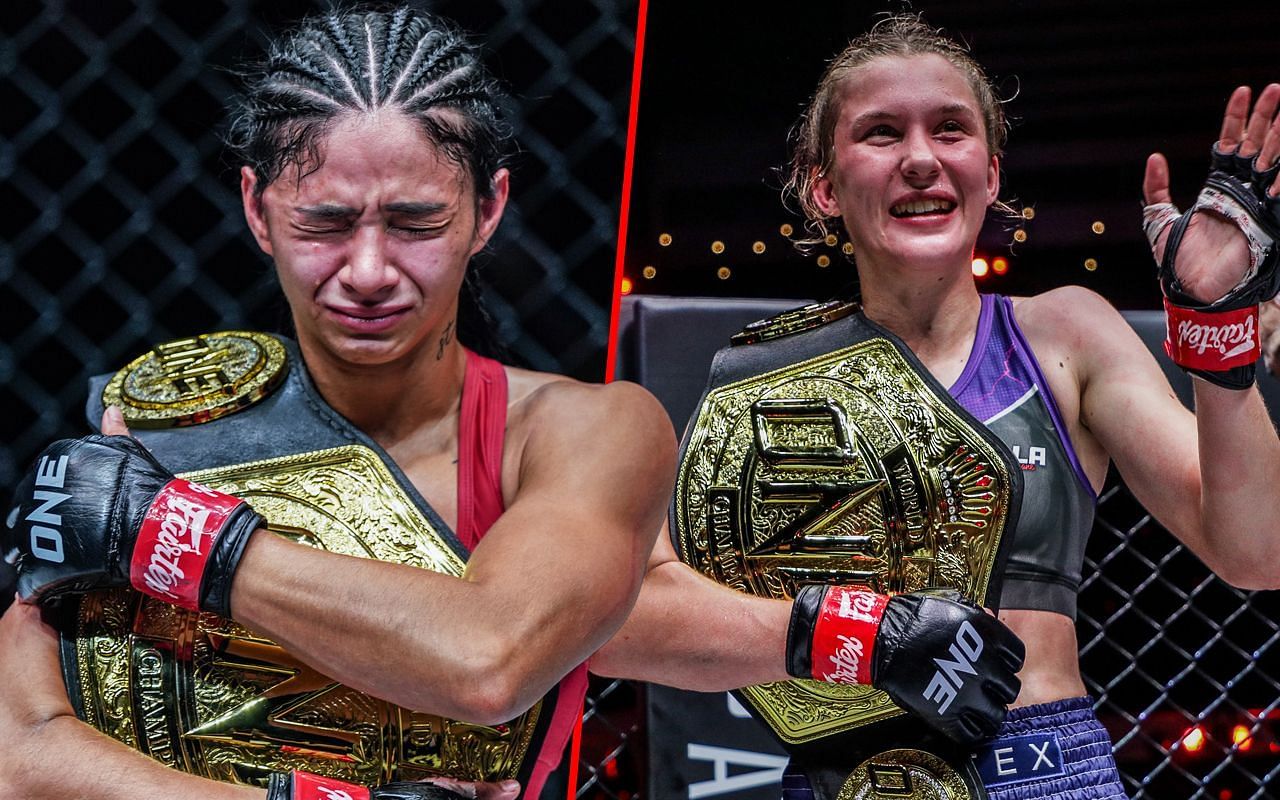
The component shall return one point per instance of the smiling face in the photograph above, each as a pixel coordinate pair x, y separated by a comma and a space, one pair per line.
910, 173
372, 246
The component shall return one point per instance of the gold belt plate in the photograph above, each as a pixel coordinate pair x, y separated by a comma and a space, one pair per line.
904, 774
846, 469
204, 695
194, 380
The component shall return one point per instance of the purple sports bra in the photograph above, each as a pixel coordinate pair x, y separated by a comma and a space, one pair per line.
1002, 386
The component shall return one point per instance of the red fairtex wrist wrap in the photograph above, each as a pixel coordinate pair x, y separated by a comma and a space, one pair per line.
175, 541
1212, 341
844, 635
313, 787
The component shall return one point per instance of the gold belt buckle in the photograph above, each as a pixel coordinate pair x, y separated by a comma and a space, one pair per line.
905, 774
198, 379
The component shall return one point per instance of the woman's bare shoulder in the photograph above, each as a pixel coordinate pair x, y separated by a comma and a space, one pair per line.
582, 410
1070, 317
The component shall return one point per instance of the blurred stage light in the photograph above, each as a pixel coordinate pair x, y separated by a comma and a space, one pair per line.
1193, 740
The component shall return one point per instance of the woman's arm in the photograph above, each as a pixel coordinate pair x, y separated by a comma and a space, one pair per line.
1213, 478
46, 752
549, 583
688, 631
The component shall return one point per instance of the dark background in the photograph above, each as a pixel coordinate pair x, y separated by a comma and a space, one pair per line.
1092, 88
120, 218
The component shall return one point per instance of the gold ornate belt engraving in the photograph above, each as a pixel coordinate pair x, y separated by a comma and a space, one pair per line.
195, 380
205, 695
846, 468
904, 774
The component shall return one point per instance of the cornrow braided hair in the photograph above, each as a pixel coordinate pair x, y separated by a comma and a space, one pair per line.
360, 61
813, 137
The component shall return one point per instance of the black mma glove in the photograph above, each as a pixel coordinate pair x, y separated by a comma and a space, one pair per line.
305, 786
1220, 341
101, 511
935, 654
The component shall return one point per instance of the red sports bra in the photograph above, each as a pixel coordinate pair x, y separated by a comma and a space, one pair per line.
482, 426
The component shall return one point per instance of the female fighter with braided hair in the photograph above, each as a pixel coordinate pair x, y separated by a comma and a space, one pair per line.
373, 145
901, 145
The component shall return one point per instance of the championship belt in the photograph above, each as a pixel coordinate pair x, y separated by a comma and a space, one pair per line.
205, 695
824, 452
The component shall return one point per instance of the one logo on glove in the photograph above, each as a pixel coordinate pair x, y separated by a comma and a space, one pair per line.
949, 679
46, 538
1212, 340
171, 551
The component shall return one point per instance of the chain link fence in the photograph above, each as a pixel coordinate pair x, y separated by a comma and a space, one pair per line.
1185, 668
614, 758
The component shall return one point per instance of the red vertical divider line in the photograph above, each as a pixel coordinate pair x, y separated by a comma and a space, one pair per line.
628, 164
575, 755
575, 746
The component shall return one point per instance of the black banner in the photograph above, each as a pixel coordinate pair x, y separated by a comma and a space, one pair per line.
706, 745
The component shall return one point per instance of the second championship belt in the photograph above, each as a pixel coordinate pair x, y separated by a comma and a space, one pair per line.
236, 411
823, 452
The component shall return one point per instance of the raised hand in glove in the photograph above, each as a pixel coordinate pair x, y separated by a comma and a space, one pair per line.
935, 654
1219, 260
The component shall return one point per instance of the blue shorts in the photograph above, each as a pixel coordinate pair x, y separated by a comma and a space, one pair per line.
1056, 749
1051, 750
